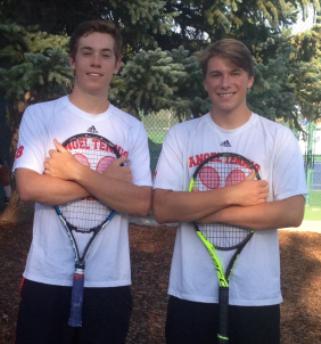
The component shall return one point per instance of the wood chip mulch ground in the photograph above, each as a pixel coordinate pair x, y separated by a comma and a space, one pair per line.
151, 255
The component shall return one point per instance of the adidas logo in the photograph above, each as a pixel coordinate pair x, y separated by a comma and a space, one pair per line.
92, 130
226, 143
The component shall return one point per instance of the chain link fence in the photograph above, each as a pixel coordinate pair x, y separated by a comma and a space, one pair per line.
157, 125
313, 173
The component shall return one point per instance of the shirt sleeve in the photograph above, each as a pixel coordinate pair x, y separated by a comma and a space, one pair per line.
288, 168
31, 145
170, 166
139, 158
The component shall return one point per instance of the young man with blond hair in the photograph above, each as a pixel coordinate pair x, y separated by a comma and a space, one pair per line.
264, 205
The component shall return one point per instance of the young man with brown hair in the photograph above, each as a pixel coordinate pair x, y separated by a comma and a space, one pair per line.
49, 175
274, 202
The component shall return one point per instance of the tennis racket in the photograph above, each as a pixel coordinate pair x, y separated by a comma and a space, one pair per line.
218, 171
86, 216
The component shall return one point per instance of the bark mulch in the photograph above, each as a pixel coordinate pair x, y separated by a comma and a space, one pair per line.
151, 250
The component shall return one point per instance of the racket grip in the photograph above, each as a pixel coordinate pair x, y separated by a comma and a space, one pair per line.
222, 336
77, 295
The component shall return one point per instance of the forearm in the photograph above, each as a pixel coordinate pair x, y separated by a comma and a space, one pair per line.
35, 187
125, 197
172, 206
113, 186
270, 215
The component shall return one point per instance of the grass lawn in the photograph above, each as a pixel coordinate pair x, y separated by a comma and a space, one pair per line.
312, 213
313, 206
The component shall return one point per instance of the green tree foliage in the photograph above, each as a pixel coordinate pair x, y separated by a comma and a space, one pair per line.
288, 85
45, 75
161, 68
273, 93
168, 80
12, 43
32, 61
166, 23
157, 74
190, 96
307, 77
141, 21
33, 67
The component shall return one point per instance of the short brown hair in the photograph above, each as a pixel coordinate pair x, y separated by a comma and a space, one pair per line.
97, 25
231, 49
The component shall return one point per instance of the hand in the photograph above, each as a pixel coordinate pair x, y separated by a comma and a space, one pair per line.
119, 169
250, 191
62, 164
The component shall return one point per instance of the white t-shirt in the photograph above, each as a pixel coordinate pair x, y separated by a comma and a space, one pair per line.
255, 279
50, 259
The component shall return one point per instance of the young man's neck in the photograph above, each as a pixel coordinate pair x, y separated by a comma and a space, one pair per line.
91, 103
231, 120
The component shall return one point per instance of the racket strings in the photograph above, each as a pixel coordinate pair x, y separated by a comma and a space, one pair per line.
215, 175
85, 214
88, 213
224, 236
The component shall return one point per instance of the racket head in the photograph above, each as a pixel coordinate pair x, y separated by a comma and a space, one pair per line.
218, 171
97, 152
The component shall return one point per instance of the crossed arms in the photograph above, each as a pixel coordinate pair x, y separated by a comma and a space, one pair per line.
243, 205
65, 180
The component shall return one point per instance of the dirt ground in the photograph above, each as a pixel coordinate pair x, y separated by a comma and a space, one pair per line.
151, 254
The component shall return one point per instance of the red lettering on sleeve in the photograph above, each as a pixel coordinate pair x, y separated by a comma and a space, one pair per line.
19, 151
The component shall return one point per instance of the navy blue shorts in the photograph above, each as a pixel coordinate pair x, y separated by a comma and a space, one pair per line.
194, 322
44, 311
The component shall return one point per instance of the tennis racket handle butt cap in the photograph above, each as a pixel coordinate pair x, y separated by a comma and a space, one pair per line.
75, 319
222, 340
